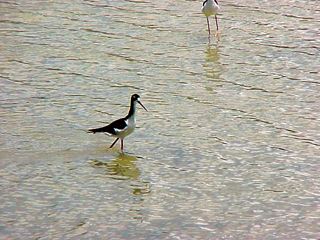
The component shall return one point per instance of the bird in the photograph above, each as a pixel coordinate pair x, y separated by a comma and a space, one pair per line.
211, 7
122, 127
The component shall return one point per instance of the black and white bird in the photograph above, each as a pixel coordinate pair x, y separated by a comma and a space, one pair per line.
123, 126
211, 7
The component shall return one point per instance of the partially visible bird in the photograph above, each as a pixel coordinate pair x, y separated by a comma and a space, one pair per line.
123, 126
211, 7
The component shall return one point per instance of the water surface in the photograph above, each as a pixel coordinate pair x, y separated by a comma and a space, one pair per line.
228, 150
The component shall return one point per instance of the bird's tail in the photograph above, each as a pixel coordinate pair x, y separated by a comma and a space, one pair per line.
96, 130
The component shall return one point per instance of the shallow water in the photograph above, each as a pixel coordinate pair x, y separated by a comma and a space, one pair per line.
228, 150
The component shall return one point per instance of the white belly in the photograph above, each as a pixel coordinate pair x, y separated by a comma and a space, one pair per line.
130, 128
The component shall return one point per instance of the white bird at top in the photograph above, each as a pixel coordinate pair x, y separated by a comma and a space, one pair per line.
211, 7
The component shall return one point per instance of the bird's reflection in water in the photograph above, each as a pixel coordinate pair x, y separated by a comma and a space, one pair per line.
123, 167
212, 65
212, 54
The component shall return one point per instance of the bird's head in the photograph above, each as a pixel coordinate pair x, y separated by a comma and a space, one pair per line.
136, 98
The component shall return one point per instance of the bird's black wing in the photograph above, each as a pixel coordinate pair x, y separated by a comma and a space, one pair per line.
112, 128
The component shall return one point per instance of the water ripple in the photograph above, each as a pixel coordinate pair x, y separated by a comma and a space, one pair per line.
228, 149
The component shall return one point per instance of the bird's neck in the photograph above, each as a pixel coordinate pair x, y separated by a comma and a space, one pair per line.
212, 1
132, 110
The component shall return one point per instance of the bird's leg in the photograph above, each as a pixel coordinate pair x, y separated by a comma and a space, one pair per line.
208, 25
122, 145
114, 143
217, 22
217, 32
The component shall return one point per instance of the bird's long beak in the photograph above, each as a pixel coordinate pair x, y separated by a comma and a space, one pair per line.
142, 106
